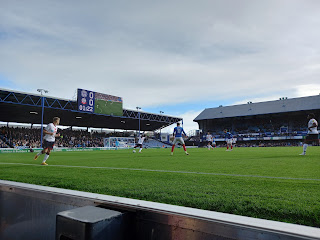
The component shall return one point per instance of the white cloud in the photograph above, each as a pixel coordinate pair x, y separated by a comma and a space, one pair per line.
188, 124
159, 53
307, 90
256, 100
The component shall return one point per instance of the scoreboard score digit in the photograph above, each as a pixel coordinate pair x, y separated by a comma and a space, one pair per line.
86, 100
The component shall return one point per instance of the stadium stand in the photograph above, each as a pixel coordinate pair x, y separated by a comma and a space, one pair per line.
26, 108
23, 107
153, 143
22, 137
274, 123
30, 138
3, 144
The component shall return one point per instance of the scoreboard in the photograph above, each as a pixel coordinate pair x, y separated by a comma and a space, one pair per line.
86, 100
93, 102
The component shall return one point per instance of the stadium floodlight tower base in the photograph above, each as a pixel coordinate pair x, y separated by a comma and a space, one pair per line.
119, 142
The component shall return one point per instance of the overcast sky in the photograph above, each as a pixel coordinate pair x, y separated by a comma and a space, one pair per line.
179, 57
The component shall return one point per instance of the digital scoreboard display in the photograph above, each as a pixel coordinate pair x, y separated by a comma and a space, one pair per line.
93, 102
86, 100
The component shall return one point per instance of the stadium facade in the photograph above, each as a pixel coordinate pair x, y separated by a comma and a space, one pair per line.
282, 119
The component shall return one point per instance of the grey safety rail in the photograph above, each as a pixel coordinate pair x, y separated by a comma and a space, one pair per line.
31, 210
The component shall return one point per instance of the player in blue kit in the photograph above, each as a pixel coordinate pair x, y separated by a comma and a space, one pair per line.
229, 139
177, 133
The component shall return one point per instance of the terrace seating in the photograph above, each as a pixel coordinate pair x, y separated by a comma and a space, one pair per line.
3, 144
30, 138
153, 143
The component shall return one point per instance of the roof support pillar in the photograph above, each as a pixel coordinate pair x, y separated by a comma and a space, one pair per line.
42, 106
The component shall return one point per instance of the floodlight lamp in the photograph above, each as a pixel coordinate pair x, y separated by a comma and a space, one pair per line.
40, 90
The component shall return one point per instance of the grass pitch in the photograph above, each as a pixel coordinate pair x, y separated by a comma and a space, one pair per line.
270, 183
108, 107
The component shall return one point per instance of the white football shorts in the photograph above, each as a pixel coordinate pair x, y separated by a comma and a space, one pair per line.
229, 141
178, 139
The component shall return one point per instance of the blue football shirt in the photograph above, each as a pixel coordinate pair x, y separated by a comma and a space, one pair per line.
228, 135
178, 131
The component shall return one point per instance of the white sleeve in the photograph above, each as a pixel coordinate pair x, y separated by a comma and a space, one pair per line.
50, 128
47, 128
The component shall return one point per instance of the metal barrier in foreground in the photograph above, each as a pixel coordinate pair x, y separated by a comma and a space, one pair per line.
35, 212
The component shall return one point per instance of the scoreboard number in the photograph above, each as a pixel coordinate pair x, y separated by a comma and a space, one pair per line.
86, 100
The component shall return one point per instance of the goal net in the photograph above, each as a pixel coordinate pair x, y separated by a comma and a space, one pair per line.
119, 142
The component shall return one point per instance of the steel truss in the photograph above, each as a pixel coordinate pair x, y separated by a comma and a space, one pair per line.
26, 99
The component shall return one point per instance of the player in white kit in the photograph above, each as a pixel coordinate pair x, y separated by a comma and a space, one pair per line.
50, 132
312, 135
209, 139
139, 144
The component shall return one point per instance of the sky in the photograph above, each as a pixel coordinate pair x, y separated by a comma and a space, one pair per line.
178, 57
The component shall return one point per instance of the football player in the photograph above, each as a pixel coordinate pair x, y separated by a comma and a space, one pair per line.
177, 134
139, 144
229, 140
313, 134
209, 140
49, 139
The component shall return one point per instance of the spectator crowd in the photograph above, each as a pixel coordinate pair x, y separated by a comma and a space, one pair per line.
20, 137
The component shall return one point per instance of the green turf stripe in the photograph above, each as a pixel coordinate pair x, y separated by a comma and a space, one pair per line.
167, 171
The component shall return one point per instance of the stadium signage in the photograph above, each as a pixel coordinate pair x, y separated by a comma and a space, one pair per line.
100, 103
14, 150
261, 138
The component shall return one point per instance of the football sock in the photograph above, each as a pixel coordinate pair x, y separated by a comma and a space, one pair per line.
227, 147
41, 152
231, 146
305, 147
140, 150
45, 158
184, 147
172, 148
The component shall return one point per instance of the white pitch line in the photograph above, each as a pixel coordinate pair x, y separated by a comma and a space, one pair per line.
164, 171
